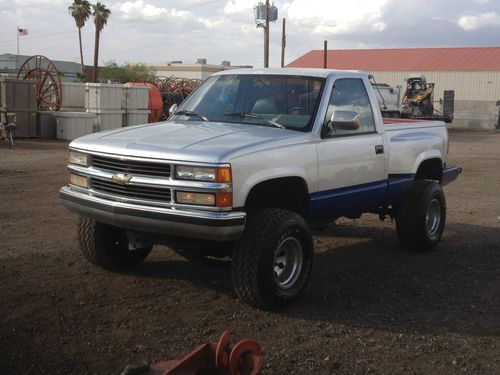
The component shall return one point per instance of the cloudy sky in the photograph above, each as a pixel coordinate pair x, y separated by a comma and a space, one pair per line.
158, 31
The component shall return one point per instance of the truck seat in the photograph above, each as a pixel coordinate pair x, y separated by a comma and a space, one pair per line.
265, 105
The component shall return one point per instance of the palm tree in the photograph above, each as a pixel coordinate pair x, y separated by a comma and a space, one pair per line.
80, 11
100, 14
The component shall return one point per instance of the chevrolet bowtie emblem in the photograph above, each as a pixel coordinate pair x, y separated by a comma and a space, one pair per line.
121, 178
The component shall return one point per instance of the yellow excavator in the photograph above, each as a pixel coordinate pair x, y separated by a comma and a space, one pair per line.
418, 98
417, 101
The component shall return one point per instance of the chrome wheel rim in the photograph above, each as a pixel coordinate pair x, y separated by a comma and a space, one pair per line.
433, 217
288, 261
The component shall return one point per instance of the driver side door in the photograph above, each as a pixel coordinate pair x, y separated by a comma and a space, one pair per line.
351, 162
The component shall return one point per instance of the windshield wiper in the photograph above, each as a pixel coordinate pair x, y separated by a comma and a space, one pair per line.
190, 113
272, 123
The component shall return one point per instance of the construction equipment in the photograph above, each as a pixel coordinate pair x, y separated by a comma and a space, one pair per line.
244, 358
418, 98
388, 98
417, 102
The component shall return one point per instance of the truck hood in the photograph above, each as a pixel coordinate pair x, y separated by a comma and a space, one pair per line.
210, 142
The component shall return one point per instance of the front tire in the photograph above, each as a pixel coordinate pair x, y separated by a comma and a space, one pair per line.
107, 246
272, 262
421, 217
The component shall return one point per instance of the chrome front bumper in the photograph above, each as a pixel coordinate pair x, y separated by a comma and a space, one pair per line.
216, 226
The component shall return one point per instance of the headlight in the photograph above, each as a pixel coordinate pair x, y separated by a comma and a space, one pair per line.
78, 158
209, 174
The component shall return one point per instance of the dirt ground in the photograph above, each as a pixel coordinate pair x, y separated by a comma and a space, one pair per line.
369, 308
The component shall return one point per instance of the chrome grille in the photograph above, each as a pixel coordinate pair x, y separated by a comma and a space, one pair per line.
132, 191
138, 168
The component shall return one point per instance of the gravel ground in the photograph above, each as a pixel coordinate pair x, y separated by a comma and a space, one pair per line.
369, 308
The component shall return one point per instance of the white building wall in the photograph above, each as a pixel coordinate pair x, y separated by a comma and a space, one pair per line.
474, 114
188, 74
189, 71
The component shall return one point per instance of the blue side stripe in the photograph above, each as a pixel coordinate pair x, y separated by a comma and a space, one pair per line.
397, 186
359, 198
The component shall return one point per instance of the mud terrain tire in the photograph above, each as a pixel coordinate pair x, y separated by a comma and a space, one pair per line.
421, 217
272, 261
107, 246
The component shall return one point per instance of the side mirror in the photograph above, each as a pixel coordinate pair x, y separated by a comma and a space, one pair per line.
172, 109
345, 120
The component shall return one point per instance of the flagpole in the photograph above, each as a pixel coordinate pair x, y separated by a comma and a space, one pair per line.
17, 56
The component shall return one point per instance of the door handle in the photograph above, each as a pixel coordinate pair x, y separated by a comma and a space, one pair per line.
379, 149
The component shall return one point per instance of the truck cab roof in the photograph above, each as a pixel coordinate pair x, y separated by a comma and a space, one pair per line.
309, 72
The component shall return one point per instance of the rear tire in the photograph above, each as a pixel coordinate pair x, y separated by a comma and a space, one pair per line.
272, 262
107, 246
421, 217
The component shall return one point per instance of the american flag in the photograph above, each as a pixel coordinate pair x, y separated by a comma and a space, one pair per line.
22, 32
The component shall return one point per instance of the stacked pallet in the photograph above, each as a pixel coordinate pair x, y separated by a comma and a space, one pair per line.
92, 107
136, 105
105, 100
18, 100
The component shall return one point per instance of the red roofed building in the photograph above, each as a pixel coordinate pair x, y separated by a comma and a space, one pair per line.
473, 73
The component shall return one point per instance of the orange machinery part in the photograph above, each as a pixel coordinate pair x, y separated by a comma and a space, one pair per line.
155, 100
217, 358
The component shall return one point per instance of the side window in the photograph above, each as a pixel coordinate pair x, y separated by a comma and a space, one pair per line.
349, 94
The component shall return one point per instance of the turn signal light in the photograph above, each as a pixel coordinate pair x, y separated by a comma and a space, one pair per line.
223, 174
185, 197
224, 199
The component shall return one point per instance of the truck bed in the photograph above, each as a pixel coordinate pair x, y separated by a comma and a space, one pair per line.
392, 120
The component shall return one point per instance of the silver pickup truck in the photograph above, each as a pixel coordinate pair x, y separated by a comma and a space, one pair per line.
244, 167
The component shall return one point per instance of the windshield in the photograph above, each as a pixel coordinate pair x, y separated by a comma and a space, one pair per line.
279, 101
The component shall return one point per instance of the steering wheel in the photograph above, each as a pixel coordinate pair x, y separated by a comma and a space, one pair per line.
298, 111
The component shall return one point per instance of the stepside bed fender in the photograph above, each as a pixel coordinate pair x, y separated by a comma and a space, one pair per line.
425, 156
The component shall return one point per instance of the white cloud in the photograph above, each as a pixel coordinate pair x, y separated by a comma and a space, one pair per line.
134, 10
35, 2
239, 6
180, 13
477, 21
379, 26
209, 23
161, 30
138, 9
328, 17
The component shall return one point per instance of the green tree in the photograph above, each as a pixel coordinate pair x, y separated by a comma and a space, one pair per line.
125, 73
80, 11
100, 14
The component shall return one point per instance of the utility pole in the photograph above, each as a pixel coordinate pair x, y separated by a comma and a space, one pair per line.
266, 37
325, 55
283, 44
17, 55
264, 14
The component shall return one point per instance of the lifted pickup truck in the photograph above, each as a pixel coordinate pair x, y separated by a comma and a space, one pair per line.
246, 165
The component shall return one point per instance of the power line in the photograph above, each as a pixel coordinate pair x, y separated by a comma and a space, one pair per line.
202, 4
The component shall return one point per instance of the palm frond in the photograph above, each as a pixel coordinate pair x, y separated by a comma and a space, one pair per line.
80, 10
101, 15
